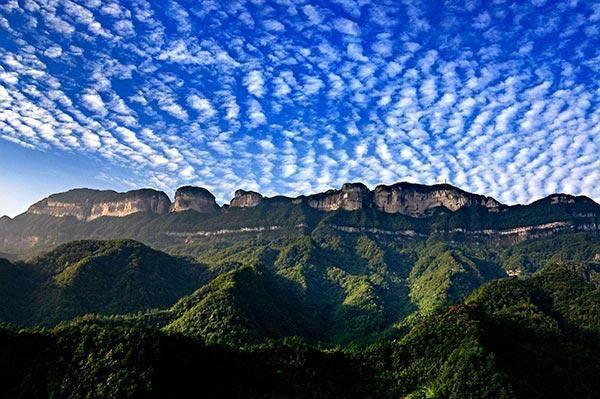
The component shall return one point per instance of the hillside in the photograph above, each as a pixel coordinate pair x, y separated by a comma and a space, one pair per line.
513, 338
345, 290
105, 277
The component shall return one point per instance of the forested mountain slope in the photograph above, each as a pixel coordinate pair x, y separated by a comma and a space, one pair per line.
343, 290
514, 338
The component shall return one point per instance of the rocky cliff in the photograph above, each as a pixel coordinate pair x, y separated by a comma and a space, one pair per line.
87, 204
244, 199
405, 198
163, 224
194, 198
420, 200
351, 197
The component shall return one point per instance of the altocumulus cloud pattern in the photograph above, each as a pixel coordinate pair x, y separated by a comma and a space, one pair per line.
498, 97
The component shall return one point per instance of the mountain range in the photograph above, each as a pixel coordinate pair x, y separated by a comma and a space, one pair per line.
402, 291
402, 209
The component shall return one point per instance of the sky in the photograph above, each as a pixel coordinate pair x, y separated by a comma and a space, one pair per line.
498, 97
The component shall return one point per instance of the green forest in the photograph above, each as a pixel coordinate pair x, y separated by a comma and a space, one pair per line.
322, 315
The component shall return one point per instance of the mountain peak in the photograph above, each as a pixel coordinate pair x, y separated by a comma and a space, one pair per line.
420, 200
352, 196
358, 186
562, 198
89, 204
407, 198
417, 200
244, 199
194, 198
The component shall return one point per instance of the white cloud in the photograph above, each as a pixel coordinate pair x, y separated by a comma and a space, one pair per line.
290, 96
53, 52
346, 26
312, 14
187, 172
94, 102
355, 52
10, 78
274, 26
312, 85
256, 114
254, 83
202, 105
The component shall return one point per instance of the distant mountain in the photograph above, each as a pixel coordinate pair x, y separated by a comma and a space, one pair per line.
444, 294
405, 198
400, 210
86, 204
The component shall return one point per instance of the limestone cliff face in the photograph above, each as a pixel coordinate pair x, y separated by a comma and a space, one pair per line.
405, 198
420, 200
245, 199
351, 197
86, 204
194, 198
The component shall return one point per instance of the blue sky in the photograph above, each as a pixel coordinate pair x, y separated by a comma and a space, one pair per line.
287, 97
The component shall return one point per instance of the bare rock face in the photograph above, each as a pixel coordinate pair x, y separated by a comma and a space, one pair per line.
351, 197
145, 200
245, 199
405, 198
194, 198
420, 200
87, 204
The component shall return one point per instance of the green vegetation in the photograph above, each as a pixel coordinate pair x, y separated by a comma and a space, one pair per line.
309, 310
514, 338
107, 277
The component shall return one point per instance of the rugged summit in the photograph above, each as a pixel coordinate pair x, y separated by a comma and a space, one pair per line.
87, 204
244, 199
561, 198
193, 198
400, 210
351, 197
405, 198
419, 200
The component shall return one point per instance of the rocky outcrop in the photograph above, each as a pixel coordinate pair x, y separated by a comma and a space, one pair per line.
405, 198
351, 197
554, 214
245, 199
420, 200
87, 204
194, 198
